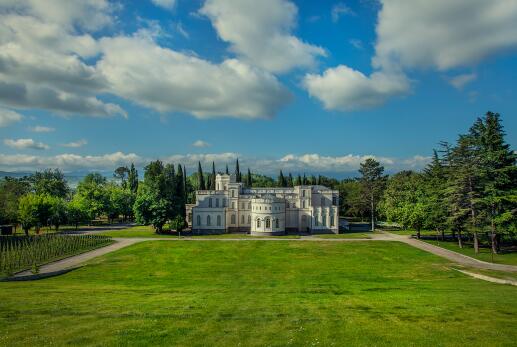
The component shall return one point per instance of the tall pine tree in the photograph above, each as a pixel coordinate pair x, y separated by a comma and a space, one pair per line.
200, 177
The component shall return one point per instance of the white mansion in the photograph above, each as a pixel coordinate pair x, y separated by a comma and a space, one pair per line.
263, 211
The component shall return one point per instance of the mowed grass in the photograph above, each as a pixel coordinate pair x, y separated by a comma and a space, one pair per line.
484, 254
260, 293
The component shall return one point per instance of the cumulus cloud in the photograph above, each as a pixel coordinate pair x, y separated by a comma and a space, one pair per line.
8, 117
174, 81
462, 80
261, 33
167, 4
342, 88
201, 144
75, 144
25, 144
41, 129
340, 9
309, 163
456, 34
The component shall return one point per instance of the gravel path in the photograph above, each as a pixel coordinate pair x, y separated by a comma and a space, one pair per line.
75, 261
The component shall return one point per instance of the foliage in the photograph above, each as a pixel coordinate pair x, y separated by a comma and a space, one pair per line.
21, 253
50, 182
372, 183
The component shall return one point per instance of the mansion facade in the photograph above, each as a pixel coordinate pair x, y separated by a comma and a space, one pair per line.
263, 211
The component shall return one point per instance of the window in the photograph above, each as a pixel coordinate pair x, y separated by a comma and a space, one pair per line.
268, 223
243, 206
233, 219
249, 205
324, 220
303, 204
218, 221
217, 202
242, 219
198, 220
316, 220
332, 220
224, 202
249, 219
233, 205
277, 223
210, 202
334, 200
208, 222
258, 223
303, 193
287, 204
322, 201
233, 193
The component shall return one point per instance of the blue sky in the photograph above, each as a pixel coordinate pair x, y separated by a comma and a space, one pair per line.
303, 86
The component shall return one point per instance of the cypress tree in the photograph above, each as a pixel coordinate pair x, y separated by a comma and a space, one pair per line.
200, 177
304, 181
180, 192
290, 180
227, 172
132, 179
298, 180
237, 171
212, 180
281, 180
249, 182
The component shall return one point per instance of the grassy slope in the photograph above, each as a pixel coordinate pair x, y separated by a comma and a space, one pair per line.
484, 253
260, 293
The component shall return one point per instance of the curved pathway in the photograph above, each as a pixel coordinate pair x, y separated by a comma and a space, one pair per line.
75, 261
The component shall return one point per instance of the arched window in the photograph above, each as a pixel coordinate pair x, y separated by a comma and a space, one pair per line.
210, 202
258, 223
268, 223
277, 223
208, 222
242, 219
233, 219
249, 219
198, 220
332, 220
324, 220
218, 221
217, 202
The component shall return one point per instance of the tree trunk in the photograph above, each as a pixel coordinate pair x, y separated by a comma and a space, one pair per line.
476, 242
418, 234
493, 240
460, 242
26, 230
373, 215
443, 235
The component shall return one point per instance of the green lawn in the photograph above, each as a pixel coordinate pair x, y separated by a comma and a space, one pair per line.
348, 235
260, 293
484, 254
148, 231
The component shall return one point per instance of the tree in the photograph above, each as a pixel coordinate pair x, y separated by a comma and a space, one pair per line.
298, 181
34, 211
57, 211
96, 197
281, 180
121, 202
11, 190
149, 208
498, 173
50, 182
179, 195
212, 177
77, 211
435, 180
132, 179
372, 181
237, 171
200, 177
290, 182
304, 180
121, 173
249, 179
227, 172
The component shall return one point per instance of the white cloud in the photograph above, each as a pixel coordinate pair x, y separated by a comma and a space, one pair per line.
174, 81
339, 10
201, 144
342, 88
261, 33
8, 117
310, 163
41, 129
25, 144
167, 4
461, 81
420, 34
75, 144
